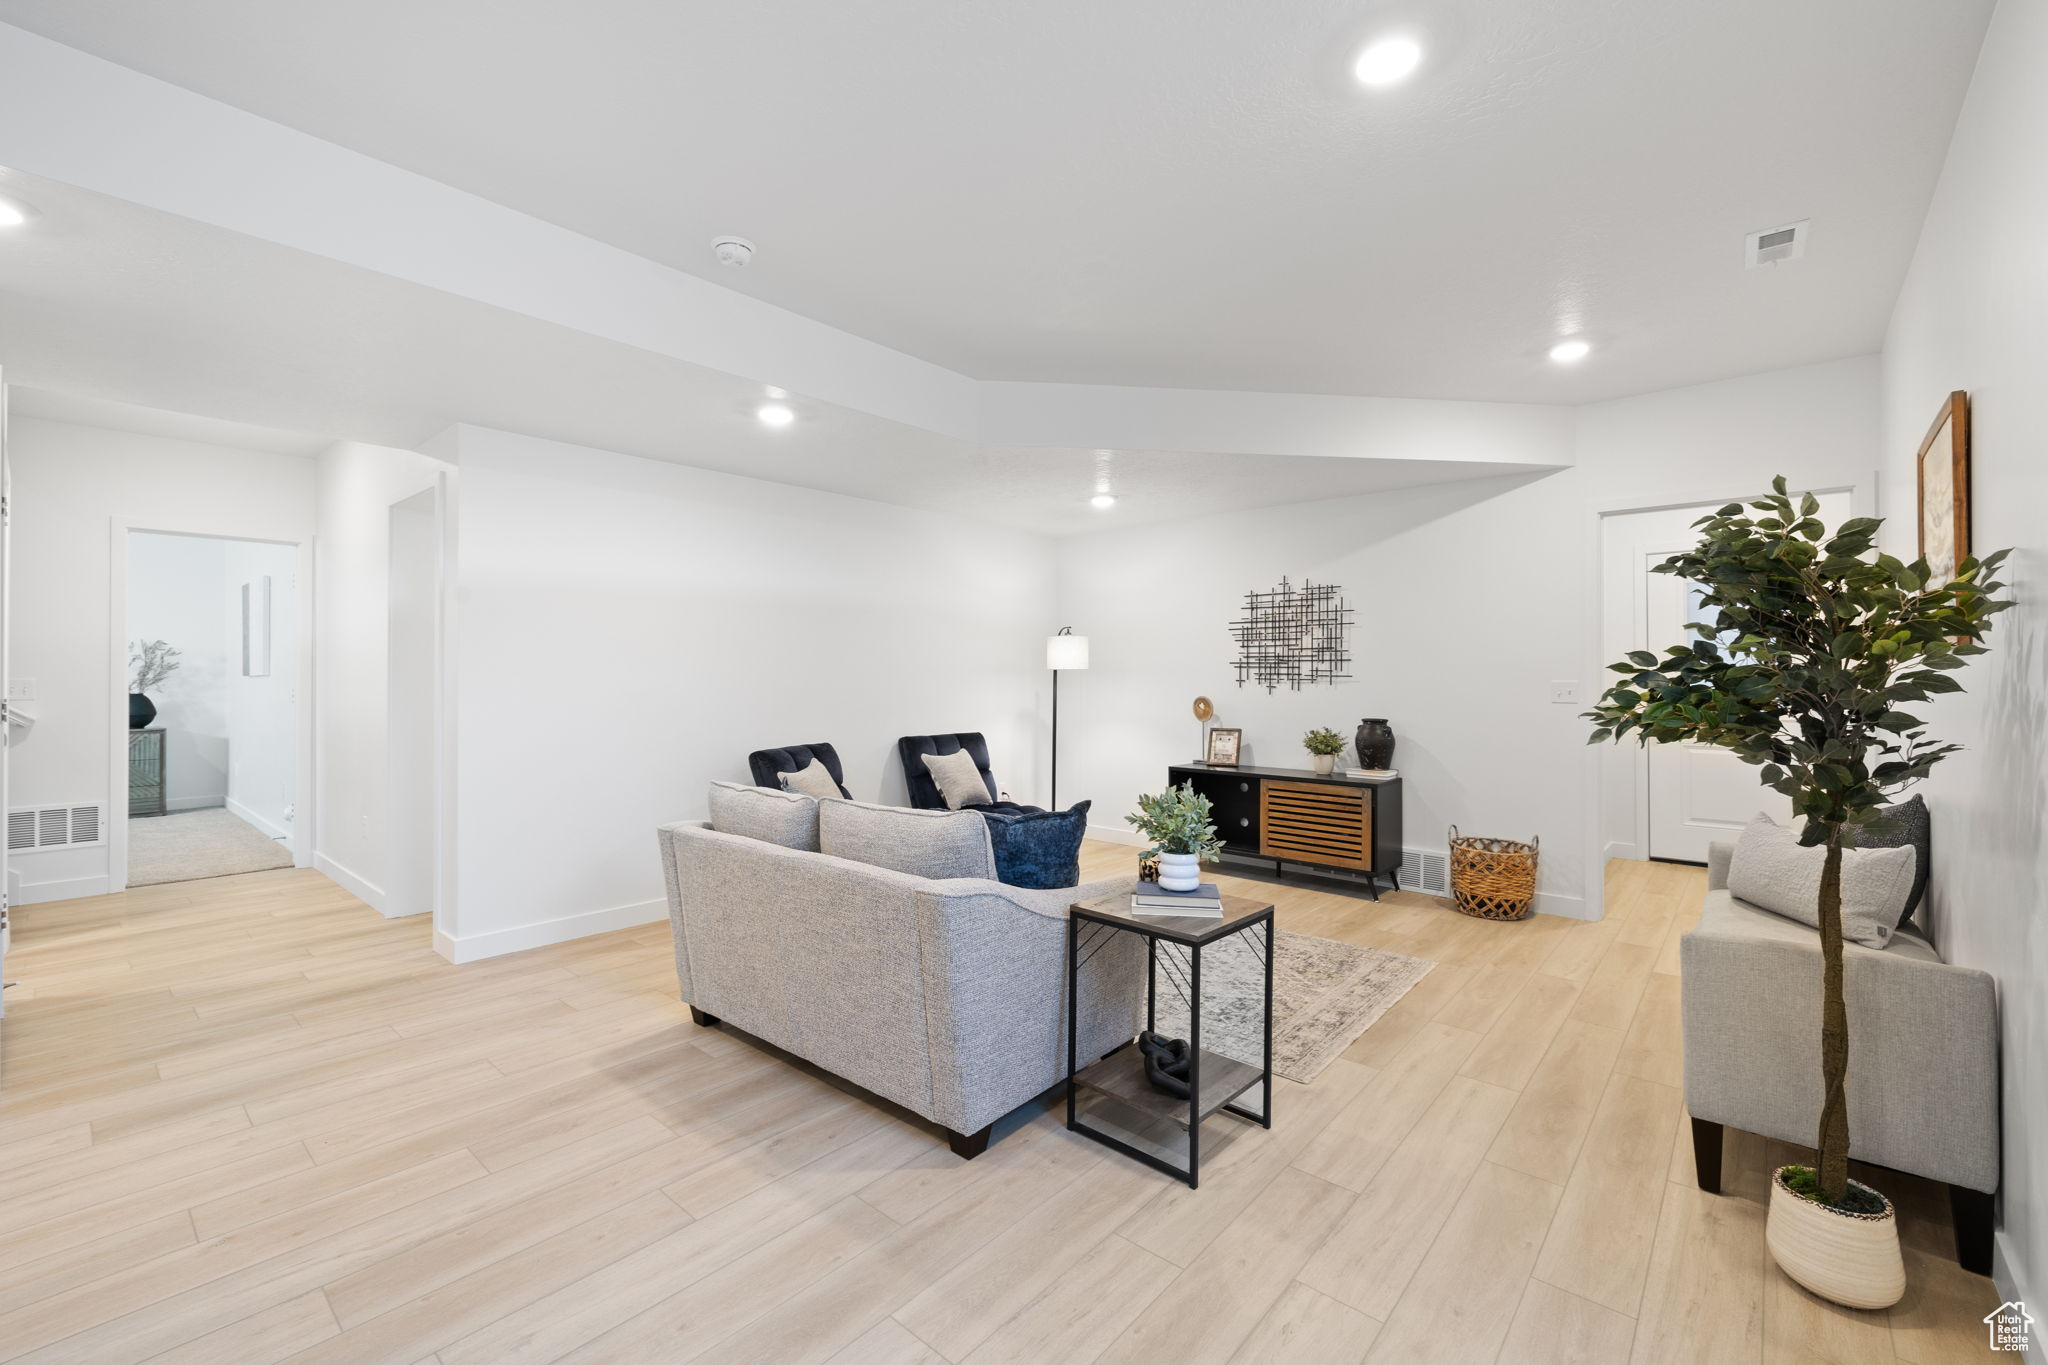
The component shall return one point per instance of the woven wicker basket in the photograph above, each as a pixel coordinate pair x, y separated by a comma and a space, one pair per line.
1493, 878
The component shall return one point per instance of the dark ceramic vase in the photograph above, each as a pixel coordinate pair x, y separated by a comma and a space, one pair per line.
1375, 742
141, 711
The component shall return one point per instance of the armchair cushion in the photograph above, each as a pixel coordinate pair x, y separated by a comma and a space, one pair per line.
768, 764
924, 793
812, 781
959, 781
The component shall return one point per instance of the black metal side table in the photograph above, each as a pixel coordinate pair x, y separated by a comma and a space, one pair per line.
1173, 949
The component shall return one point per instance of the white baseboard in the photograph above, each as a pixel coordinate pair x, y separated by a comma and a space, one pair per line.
1569, 907
1625, 850
362, 888
2007, 1275
1117, 834
519, 937
242, 812
194, 803
35, 893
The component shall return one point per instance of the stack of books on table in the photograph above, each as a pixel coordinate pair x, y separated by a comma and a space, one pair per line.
1151, 899
1372, 774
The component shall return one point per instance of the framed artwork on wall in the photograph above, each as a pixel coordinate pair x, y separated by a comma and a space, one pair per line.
1223, 746
1944, 482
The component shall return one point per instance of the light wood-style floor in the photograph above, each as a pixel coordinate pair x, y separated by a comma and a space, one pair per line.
251, 1121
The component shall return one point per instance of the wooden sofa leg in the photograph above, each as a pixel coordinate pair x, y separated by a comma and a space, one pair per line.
1972, 1212
701, 1019
968, 1146
1706, 1154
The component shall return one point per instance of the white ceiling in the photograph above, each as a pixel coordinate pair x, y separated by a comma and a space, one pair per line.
116, 315
1156, 193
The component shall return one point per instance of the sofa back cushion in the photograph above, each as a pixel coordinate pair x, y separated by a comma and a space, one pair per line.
1038, 849
1771, 871
776, 817
922, 843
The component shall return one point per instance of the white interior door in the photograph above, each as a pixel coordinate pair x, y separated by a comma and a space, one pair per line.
1699, 793
6, 709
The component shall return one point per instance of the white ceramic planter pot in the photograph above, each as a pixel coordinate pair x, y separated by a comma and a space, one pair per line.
1180, 871
1325, 763
1849, 1258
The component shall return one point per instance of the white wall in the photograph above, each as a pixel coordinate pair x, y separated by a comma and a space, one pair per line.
175, 594
629, 630
1471, 599
71, 485
1974, 316
358, 484
263, 711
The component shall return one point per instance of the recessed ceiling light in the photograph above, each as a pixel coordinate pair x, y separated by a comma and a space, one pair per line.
1571, 352
1101, 501
775, 414
1387, 61
13, 213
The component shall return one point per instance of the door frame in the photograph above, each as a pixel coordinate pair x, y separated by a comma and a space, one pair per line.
1862, 503
306, 788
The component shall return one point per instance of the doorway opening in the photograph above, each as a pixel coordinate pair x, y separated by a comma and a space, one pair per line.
212, 739
1669, 802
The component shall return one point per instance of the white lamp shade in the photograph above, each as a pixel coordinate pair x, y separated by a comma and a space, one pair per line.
1066, 651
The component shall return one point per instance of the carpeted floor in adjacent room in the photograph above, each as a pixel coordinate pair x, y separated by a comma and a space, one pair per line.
193, 844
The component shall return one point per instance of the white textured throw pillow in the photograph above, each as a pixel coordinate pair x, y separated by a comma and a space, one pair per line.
1772, 872
958, 780
812, 780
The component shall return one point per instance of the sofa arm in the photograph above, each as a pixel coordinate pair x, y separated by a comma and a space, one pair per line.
1719, 855
1923, 1044
995, 978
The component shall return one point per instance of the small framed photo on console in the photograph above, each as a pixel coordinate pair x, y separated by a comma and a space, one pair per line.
1223, 746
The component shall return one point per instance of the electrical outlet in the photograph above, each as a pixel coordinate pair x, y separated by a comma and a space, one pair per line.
21, 689
1565, 691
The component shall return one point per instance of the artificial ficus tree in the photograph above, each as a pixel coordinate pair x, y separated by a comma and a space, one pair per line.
1812, 649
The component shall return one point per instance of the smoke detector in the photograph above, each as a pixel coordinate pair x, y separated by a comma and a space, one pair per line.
1775, 246
732, 250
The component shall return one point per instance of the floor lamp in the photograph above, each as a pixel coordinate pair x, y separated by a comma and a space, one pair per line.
1062, 651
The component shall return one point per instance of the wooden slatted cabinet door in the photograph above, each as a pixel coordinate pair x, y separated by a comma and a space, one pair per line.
1311, 822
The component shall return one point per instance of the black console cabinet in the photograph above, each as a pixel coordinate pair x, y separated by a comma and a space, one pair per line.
1295, 815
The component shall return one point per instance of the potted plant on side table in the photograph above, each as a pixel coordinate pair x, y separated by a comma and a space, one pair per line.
1181, 827
1324, 746
1811, 647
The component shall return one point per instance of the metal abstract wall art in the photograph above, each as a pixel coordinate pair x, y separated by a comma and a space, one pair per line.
1293, 635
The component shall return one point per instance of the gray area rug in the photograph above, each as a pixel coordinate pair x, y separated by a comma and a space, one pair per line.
1325, 994
198, 843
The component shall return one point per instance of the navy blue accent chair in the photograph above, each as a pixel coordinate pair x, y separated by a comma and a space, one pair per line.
768, 764
924, 793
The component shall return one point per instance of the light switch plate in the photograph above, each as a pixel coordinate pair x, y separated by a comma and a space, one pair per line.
1565, 691
21, 689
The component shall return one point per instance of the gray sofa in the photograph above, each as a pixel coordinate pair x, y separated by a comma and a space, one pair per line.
1923, 1051
945, 996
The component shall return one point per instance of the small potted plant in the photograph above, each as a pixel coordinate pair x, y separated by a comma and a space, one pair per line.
149, 663
1325, 745
1179, 823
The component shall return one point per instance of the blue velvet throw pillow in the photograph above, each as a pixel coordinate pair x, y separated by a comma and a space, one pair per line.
1040, 850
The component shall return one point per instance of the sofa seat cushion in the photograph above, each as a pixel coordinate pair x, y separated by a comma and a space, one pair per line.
1729, 915
1040, 850
775, 817
1772, 870
923, 843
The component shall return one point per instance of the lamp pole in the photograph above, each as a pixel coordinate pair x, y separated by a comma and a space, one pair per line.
1062, 651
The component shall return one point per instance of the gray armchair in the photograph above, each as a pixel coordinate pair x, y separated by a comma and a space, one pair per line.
1923, 1053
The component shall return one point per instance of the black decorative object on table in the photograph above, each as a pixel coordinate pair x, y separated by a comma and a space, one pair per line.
141, 711
1293, 635
1375, 741
1153, 1080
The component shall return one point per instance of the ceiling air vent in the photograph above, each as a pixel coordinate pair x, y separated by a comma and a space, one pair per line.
1775, 246
40, 827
